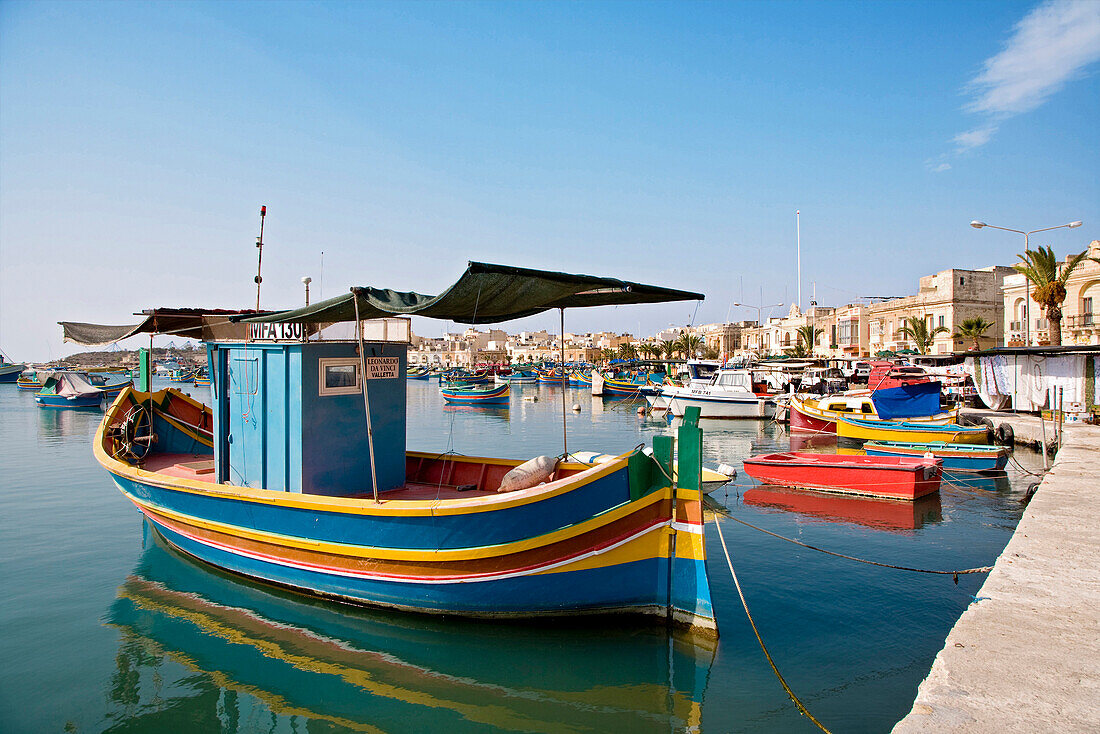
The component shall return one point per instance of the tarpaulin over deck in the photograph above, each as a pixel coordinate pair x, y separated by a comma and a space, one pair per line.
186, 322
485, 294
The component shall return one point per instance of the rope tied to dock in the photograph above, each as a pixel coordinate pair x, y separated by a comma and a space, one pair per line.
954, 574
790, 694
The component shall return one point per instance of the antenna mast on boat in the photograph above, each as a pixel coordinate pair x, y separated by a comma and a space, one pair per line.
260, 257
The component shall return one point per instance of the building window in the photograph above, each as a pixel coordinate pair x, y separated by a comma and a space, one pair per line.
941, 321
962, 281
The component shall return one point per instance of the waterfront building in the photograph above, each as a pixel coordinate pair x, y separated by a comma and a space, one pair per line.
780, 333
1079, 310
945, 299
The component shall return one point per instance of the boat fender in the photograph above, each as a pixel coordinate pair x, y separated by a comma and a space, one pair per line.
530, 473
1005, 434
990, 431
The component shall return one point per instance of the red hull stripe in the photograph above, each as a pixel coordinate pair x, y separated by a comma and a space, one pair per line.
524, 571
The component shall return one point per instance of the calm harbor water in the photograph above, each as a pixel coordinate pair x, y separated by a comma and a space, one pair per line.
105, 629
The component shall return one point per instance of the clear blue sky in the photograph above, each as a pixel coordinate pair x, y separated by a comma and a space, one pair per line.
668, 143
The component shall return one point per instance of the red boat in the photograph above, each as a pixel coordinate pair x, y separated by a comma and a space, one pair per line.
900, 478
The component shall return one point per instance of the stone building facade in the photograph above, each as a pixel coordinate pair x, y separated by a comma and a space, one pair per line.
1025, 321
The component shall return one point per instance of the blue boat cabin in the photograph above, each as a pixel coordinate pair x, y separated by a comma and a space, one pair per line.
294, 411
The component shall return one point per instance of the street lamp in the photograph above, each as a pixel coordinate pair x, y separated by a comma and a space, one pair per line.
759, 311
1027, 283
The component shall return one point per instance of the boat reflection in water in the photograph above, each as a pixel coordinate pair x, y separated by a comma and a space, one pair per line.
866, 511
500, 412
996, 482
815, 442
200, 647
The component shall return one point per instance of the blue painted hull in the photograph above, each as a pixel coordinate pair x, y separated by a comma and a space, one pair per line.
57, 401
619, 588
955, 458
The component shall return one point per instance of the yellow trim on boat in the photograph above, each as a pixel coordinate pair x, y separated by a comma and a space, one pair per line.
410, 554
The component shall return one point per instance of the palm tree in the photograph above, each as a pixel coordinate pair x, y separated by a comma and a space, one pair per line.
807, 339
688, 344
974, 328
608, 354
922, 336
1048, 283
668, 348
627, 351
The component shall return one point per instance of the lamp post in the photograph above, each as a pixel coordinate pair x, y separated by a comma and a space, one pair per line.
306, 281
1027, 283
759, 312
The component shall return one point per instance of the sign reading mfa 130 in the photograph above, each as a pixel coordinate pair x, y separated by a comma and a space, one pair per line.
282, 332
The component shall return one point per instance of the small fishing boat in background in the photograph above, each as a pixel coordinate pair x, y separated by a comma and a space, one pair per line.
181, 375
956, 457
731, 393
819, 414
29, 380
907, 431
10, 371
474, 395
108, 387
889, 477
66, 389
418, 373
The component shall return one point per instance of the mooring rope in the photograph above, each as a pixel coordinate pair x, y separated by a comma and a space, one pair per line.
954, 574
790, 694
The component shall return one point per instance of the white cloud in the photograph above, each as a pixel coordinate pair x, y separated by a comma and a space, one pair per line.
974, 138
941, 168
1050, 46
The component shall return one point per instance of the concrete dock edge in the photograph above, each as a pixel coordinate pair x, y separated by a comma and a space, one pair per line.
1026, 657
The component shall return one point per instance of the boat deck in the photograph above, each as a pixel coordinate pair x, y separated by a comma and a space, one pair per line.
437, 478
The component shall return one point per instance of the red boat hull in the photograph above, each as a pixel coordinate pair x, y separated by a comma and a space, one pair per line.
799, 421
861, 475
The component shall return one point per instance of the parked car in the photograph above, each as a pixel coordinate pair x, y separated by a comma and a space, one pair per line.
861, 372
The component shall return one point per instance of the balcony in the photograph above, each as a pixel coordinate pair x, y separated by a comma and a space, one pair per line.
1081, 321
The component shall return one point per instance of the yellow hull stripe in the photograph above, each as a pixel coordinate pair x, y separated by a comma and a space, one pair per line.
407, 554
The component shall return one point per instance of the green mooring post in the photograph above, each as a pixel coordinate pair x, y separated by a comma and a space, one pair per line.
145, 372
689, 450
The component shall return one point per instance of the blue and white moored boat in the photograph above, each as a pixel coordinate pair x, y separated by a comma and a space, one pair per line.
956, 457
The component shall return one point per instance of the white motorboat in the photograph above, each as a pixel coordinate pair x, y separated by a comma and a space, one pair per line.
729, 394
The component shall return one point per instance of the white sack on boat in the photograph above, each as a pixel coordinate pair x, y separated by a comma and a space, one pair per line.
529, 474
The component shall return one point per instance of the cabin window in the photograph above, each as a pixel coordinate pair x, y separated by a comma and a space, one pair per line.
867, 408
338, 376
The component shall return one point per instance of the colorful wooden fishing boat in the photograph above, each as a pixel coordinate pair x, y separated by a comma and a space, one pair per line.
274, 481
907, 431
549, 377
622, 386
181, 376
108, 387
29, 380
418, 373
580, 378
474, 395
808, 413
955, 457
66, 389
890, 477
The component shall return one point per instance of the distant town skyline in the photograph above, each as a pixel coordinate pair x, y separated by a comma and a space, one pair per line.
666, 143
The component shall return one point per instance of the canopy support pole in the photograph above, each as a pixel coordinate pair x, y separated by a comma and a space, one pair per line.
564, 430
366, 399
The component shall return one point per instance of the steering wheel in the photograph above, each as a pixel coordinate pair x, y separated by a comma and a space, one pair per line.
134, 438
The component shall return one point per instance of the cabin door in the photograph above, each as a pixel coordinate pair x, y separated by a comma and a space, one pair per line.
246, 417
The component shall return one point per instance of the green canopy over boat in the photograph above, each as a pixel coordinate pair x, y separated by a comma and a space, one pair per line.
485, 294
